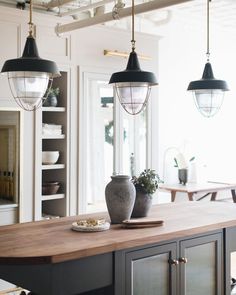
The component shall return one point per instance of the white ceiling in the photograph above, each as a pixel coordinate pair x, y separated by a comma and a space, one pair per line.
223, 13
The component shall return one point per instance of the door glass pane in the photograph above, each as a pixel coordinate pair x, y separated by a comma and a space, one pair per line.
233, 272
201, 269
100, 141
150, 276
134, 145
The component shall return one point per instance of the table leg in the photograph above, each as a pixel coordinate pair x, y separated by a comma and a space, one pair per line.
233, 195
173, 194
213, 196
190, 196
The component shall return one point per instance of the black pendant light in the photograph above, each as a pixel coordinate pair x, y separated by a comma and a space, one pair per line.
29, 75
208, 92
133, 86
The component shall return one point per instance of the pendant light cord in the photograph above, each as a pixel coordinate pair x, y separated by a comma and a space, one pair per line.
133, 41
30, 23
208, 30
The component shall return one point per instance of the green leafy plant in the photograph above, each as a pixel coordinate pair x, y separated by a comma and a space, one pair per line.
147, 181
53, 91
176, 162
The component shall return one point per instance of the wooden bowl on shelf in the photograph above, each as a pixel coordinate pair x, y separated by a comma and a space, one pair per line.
50, 187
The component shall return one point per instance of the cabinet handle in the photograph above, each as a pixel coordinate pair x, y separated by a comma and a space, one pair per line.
183, 260
173, 261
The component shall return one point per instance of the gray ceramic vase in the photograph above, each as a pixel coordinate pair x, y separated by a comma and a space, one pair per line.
183, 176
142, 205
120, 196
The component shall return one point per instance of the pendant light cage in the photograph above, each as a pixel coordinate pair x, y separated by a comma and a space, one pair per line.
30, 76
133, 86
208, 92
29, 90
208, 102
133, 96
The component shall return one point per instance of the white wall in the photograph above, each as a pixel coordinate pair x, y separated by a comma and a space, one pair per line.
82, 48
211, 140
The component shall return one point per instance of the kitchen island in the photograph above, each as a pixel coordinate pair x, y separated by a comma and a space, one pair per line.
48, 258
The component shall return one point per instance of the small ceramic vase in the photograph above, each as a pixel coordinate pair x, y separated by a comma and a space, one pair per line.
51, 101
183, 176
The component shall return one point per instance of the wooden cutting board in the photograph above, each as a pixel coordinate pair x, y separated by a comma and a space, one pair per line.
142, 222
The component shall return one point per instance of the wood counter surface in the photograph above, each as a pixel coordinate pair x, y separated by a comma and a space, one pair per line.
53, 241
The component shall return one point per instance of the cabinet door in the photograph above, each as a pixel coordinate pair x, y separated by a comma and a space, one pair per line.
151, 271
201, 266
230, 261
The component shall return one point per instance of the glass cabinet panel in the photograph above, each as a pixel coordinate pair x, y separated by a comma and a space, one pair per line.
201, 270
151, 275
233, 272
149, 272
230, 261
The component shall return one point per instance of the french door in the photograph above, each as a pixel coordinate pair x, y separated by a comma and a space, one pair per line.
110, 141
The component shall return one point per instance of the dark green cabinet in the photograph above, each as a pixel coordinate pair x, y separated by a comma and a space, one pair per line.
191, 266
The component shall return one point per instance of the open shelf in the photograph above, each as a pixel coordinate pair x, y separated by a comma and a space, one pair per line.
53, 109
52, 197
62, 136
54, 166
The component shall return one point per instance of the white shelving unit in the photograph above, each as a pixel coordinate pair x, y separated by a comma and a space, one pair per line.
56, 204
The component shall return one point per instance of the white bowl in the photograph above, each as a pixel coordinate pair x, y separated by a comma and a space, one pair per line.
50, 157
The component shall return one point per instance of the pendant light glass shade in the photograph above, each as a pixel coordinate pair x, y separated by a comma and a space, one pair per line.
208, 92
29, 75
133, 86
28, 88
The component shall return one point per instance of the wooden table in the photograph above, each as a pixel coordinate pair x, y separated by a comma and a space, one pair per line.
193, 188
48, 258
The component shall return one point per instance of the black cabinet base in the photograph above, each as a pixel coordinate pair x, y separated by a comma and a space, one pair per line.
102, 291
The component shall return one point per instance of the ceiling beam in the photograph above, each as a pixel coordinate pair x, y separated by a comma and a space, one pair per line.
57, 3
141, 8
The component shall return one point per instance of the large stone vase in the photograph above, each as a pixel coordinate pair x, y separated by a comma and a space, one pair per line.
142, 205
120, 196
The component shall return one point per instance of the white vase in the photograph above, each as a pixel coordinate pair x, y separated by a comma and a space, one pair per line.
193, 177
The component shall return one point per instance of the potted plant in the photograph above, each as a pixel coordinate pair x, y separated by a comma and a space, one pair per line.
52, 95
146, 185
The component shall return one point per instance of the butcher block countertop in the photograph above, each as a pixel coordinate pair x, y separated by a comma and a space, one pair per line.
53, 241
